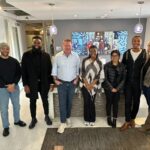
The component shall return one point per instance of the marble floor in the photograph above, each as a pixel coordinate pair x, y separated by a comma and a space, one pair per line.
25, 139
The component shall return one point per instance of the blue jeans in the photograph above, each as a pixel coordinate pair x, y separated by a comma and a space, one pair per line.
65, 93
146, 92
4, 102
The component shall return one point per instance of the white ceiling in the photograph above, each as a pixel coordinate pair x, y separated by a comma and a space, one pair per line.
84, 9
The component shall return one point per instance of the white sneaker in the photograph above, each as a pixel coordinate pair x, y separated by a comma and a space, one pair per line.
86, 123
69, 124
61, 128
92, 123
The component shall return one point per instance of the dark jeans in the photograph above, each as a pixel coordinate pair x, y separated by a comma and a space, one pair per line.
112, 100
89, 106
132, 100
44, 101
146, 92
66, 92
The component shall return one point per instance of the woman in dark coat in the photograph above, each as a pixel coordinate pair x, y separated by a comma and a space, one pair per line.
113, 83
36, 76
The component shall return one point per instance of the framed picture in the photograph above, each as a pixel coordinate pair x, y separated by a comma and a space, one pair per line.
104, 41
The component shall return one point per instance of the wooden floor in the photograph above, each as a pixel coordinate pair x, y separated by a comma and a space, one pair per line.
96, 139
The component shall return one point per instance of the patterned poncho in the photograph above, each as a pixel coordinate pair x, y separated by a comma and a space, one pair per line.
90, 71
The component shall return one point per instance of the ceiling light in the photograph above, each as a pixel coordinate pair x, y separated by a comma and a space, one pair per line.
52, 28
139, 27
75, 15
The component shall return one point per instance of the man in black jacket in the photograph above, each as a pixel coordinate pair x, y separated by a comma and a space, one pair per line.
133, 59
36, 76
10, 73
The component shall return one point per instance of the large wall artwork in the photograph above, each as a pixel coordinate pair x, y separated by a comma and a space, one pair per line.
104, 41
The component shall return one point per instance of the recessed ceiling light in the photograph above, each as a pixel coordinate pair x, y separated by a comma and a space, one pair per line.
51, 4
137, 14
0, 7
75, 15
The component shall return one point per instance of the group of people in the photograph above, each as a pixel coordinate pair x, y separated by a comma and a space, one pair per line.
39, 75
132, 76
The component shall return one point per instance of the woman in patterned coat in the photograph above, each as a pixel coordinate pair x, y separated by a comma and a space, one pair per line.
90, 76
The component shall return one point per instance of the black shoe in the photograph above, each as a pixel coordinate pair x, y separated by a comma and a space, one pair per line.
20, 123
33, 123
114, 123
109, 122
6, 132
48, 120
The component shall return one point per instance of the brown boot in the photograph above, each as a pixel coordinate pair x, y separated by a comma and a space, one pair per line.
125, 126
132, 123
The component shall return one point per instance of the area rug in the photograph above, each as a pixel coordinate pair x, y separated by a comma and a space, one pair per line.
96, 139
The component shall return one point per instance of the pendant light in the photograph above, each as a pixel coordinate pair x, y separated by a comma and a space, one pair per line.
52, 28
139, 27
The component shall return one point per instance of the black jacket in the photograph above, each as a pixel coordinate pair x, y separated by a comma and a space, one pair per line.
114, 76
133, 69
29, 74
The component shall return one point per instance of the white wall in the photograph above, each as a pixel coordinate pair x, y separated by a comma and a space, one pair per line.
7, 35
3, 37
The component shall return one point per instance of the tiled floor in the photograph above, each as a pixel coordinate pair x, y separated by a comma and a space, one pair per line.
25, 139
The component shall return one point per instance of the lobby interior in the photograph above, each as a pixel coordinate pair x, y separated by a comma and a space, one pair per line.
20, 20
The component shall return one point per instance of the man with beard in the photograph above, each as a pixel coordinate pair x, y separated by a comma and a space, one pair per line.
9, 77
36, 76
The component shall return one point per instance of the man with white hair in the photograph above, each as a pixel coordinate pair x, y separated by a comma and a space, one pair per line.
9, 77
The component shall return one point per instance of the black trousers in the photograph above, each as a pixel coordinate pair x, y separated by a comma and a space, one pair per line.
44, 101
112, 100
132, 100
89, 106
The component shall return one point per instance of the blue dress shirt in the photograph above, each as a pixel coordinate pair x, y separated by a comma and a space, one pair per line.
66, 68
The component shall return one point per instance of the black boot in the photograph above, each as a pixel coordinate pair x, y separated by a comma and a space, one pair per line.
6, 132
48, 120
33, 123
109, 122
114, 123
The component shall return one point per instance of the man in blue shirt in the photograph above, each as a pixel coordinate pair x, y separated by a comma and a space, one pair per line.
65, 72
